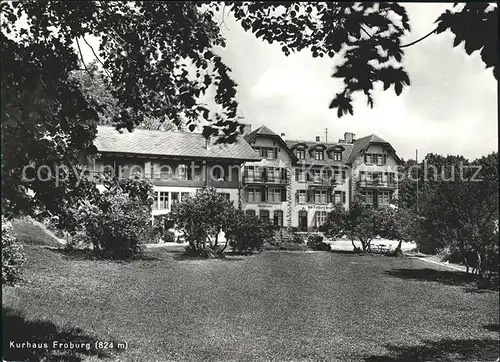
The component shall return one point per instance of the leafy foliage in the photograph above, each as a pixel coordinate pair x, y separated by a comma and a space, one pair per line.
315, 242
12, 255
202, 217
247, 232
157, 60
470, 26
120, 220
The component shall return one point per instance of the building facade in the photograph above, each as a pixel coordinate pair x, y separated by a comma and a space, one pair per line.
289, 183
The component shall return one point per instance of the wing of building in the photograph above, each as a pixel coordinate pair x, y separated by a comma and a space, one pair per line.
292, 183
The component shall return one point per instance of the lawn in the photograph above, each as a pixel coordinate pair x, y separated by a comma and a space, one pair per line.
271, 306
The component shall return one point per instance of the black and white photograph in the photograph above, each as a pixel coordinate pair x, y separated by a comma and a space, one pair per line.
249, 181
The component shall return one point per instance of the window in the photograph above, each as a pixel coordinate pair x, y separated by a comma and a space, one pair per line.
175, 197
320, 197
337, 156
301, 154
278, 218
253, 194
384, 198
320, 218
300, 175
319, 155
250, 212
181, 172
392, 178
270, 153
375, 158
185, 196
339, 197
163, 201
274, 194
316, 175
367, 197
301, 197
264, 215
155, 203
226, 195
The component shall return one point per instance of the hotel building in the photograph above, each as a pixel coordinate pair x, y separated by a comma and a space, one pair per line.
292, 183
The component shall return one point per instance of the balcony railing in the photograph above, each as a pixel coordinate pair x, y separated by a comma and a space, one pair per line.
323, 182
264, 180
377, 183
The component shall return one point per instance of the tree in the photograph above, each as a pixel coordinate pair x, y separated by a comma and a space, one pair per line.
360, 222
158, 59
397, 224
246, 232
462, 213
202, 217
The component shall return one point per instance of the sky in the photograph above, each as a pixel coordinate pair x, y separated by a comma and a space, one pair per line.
449, 108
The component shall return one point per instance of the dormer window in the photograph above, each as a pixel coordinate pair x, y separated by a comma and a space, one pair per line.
337, 156
319, 155
301, 154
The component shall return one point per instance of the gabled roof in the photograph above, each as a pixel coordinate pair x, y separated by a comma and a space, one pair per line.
266, 132
346, 151
362, 143
261, 131
174, 144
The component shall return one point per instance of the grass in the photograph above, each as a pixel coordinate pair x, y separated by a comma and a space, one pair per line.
30, 233
270, 306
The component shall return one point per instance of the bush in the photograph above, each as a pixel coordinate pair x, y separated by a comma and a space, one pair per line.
118, 228
79, 241
297, 239
169, 236
248, 232
315, 242
12, 255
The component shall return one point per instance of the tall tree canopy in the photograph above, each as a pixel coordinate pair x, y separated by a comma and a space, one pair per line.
159, 58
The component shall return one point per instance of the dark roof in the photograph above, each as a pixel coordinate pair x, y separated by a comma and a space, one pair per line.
329, 145
161, 143
362, 143
261, 131
266, 132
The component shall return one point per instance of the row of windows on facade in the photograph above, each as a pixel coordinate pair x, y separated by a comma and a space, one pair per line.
163, 200
277, 195
320, 217
381, 197
271, 153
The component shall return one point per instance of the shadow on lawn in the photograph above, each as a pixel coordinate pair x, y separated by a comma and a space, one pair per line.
442, 276
443, 350
492, 327
16, 329
87, 254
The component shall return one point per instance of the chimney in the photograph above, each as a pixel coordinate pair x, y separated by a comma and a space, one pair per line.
349, 137
317, 138
247, 128
207, 143
283, 136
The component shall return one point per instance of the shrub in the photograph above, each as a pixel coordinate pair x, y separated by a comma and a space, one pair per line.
80, 240
297, 239
118, 230
12, 255
169, 236
248, 232
315, 242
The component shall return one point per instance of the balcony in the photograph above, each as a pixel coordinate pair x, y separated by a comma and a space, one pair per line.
323, 182
377, 184
264, 180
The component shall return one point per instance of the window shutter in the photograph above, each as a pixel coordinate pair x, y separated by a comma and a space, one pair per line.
263, 194
385, 159
275, 153
283, 194
366, 158
343, 197
297, 197
329, 196
296, 175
